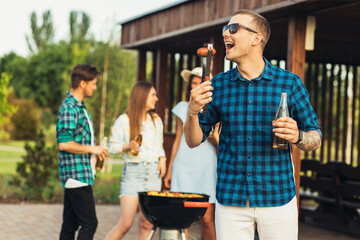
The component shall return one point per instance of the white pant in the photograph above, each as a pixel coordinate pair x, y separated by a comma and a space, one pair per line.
272, 223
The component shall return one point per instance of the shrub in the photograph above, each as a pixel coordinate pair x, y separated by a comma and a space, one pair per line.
38, 170
9, 193
26, 120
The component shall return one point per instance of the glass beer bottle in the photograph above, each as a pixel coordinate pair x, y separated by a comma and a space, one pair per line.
280, 143
137, 139
100, 163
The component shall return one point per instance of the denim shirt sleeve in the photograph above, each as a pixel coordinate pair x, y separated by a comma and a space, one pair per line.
300, 108
211, 117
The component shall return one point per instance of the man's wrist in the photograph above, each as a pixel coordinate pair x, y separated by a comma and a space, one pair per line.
192, 114
301, 137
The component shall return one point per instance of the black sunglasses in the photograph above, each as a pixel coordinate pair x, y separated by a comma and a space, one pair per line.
235, 26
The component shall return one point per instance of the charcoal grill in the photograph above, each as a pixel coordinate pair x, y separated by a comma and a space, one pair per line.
172, 214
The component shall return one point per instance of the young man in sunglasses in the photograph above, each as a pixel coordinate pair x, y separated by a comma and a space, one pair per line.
255, 184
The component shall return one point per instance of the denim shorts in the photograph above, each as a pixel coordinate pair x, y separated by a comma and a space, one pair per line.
139, 177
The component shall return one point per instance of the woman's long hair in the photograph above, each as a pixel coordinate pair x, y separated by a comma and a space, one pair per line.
136, 109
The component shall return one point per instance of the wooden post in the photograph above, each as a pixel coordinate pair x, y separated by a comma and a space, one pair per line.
218, 59
161, 79
153, 72
171, 92
296, 64
161, 82
180, 79
141, 66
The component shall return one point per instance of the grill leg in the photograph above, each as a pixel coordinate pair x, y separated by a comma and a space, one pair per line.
183, 237
169, 234
152, 232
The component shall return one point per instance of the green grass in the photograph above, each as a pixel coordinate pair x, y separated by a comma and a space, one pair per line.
106, 186
17, 143
8, 167
11, 154
115, 172
116, 157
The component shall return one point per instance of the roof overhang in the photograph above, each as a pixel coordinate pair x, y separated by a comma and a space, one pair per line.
337, 24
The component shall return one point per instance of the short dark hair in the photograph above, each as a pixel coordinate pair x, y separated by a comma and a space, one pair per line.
260, 22
84, 72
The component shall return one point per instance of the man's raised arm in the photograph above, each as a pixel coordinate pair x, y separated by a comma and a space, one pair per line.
199, 96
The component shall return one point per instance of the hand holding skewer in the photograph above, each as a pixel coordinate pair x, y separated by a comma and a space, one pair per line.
206, 53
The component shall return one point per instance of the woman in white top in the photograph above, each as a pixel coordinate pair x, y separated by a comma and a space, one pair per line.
142, 171
193, 170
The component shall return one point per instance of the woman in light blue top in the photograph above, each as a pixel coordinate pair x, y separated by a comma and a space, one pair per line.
193, 170
141, 172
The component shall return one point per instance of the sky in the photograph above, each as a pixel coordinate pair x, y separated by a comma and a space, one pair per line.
105, 16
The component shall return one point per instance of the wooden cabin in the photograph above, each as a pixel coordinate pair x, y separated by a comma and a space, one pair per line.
316, 39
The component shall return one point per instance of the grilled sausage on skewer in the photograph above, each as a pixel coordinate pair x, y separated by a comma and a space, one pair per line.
203, 52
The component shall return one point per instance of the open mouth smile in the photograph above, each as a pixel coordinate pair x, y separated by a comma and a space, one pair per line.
229, 45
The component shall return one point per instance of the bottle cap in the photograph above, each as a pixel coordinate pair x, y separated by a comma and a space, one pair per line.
284, 94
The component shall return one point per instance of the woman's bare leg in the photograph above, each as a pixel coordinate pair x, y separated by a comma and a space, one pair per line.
208, 224
144, 227
128, 207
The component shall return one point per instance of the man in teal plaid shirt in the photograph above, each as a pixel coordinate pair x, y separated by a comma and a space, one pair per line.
77, 151
255, 188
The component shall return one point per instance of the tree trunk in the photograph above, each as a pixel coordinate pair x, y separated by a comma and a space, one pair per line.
104, 95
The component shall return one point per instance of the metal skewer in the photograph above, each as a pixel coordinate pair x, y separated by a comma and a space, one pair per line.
206, 69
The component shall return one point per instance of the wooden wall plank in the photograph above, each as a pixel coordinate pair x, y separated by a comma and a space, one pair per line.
186, 15
345, 113
358, 143
355, 82
316, 96
338, 123
324, 105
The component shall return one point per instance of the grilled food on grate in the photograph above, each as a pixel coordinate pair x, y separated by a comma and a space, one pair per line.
174, 194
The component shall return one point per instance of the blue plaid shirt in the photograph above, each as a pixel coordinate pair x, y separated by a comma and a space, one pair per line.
248, 165
72, 125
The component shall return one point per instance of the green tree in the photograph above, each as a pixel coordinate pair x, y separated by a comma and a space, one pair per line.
79, 28
79, 37
121, 77
16, 66
6, 109
42, 35
46, 75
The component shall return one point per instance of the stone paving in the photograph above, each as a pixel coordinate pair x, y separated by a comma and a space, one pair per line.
42, 222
